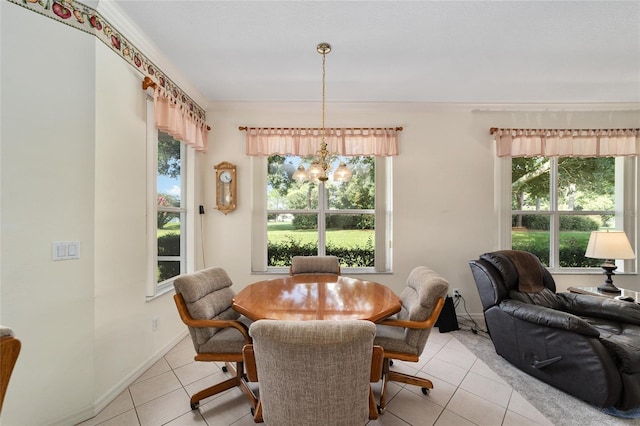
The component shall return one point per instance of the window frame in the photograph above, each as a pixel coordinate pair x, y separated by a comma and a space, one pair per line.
382, 212
624, 211
187, 217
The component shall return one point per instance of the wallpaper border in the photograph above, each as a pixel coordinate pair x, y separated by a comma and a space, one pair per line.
86, 19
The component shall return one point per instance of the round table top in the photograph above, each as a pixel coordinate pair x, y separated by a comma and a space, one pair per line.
316, 296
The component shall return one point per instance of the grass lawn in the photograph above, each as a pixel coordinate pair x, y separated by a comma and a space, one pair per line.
573, 245
280, 231
539, 238
169, 228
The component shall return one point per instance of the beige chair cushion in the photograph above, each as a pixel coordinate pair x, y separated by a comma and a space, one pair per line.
6, 331
424, 288
208, 295
313, 372
315, 265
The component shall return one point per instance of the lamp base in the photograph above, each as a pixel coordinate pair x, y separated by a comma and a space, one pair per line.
608, 286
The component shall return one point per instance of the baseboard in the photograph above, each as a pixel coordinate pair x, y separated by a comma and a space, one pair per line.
118, 388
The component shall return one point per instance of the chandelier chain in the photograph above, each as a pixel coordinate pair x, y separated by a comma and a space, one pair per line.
321, 164
324, 58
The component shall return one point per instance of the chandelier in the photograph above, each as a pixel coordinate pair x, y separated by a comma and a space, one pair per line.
321, 164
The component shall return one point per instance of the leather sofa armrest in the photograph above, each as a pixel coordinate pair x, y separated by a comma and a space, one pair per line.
601, 307
548, 317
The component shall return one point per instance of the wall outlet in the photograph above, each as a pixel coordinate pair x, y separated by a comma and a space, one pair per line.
456, 292
154, 323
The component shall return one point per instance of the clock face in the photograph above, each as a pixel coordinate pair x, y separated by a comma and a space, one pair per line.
225, 177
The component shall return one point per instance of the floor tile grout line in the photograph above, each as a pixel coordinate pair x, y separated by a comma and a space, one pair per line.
448, 345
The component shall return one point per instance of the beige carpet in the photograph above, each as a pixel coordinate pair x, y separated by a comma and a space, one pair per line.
557, 406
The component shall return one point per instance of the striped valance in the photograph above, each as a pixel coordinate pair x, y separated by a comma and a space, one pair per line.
566, 142
266, 141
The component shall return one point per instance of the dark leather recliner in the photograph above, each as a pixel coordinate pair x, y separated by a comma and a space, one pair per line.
587, 346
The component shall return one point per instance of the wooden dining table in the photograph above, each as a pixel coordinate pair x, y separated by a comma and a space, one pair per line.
316, 297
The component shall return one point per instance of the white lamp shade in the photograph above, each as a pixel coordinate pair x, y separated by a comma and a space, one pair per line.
609, 245
300, 174
342, 173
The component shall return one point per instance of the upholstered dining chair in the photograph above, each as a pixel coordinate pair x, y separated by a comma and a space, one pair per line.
315, 372
9, 351
218, 332
405, 335
314, 265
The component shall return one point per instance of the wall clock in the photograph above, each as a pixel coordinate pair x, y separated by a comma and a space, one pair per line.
225, 187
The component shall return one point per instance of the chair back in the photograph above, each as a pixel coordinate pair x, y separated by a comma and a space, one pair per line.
419, 299
313, 372
513, 274
314, 265
207, 295
9, 351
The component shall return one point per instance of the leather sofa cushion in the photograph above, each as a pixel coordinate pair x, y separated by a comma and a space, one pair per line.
544, 297
622, 340
600, 307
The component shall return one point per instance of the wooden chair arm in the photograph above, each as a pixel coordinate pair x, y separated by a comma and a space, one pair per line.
250, 362
198, 323
377, 357
9, 351
428, 323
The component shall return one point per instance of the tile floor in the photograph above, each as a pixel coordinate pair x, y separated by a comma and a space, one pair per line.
466, 392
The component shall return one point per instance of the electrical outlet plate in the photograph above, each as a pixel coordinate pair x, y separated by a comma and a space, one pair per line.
456, 292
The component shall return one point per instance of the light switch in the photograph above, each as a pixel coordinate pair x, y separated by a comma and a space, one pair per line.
73, 249
59, 250
65, 250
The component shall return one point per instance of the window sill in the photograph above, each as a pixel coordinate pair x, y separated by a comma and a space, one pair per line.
165, 288
585, 272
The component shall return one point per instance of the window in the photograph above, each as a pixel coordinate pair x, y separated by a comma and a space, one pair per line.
170, 183
350, 220
557, 201
170, 208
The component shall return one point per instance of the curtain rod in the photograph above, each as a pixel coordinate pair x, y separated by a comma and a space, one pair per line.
147, 82
493, 130
397, 129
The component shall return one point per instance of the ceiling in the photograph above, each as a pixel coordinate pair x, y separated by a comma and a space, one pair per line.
480, 52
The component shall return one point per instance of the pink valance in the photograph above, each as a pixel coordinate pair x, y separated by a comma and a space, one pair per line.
173, 118
566, 142
268, 141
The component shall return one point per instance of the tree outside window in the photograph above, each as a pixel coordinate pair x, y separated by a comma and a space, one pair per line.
170, 208
557, 202
305, 218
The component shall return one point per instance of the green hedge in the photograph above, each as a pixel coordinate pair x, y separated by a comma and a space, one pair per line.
168, 245
567, 223
571, 253
280, 254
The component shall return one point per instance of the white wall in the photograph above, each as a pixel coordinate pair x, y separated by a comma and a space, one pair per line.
73, 167
122, 317
443, 180
47, 195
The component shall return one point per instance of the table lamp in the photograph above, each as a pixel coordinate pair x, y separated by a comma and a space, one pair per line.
609, 245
